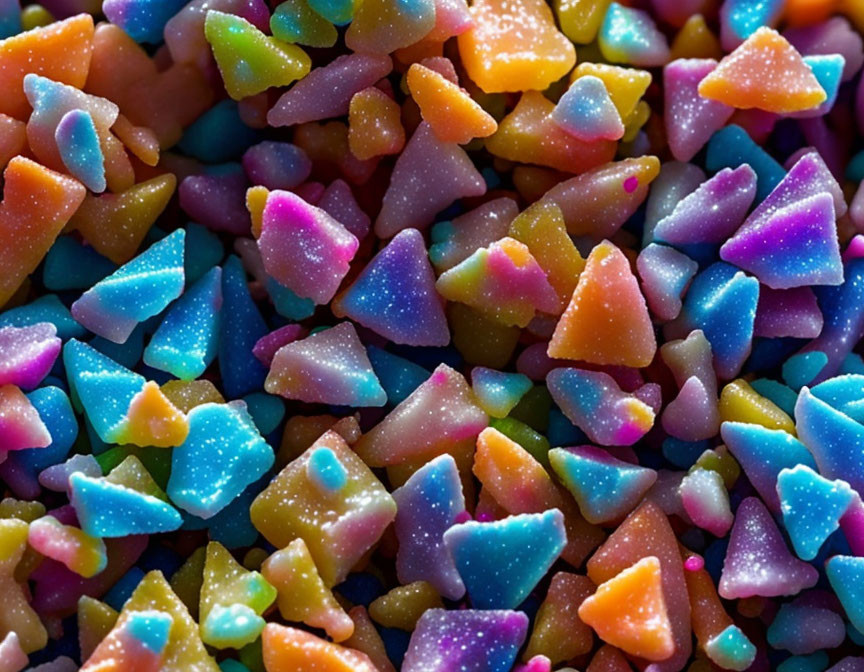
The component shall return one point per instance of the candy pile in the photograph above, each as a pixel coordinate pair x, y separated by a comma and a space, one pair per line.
346, 336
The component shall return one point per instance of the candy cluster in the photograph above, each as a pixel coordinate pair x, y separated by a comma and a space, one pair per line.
356, 336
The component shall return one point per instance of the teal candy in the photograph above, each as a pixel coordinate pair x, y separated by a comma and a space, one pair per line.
108, 510
812, 507
828, 70
55, 410
232, 666
846, 575
203, 251
80, 149
497, 391
782, 395
845, 393
266, 410
73, 265
287, 303
398, 376
104, 387
186, 342
220, 457
801, 369
135, 292
10, 18
855, 168
741, 18
143, 20
46, 308
802, 628
151, 628
815, 662
242, 326
232, 527
853, 363
731, 147
127, 354
501, 562
339, 12
326, 471
219, 134
231, 627
731, 649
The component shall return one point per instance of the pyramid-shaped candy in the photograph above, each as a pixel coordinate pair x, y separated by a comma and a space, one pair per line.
152, 420
78, 144
20, 424
498, 392
138, 642
587, 112
630, 36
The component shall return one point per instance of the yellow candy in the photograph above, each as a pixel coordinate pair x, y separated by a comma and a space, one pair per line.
374, 124
580, 19
256, 199
16, 508
741, 403
35, 16
626, 86
132, 474
17, 614
186, 582
403, 606
695, 40
479, 339
720, 460
559, 633
153, 420
187, 394
95, 621
636, 121
302, 595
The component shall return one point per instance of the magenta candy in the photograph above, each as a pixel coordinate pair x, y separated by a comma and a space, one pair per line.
267, 346
338, 201
787, 312
217, 201
27, 354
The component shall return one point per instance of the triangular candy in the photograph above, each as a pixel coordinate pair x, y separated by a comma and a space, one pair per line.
287, 648
757, 559
796, 247
67, 544
328, 367
609, 659
456, 240
143, 20
20, 425
558, 633
629, 611
136, 291
152, 420
765, 72
498, 392
812, 507
605, 488
501, 562
132, 473
249, 60
137, 642
395, 296
705, 500
665, 273
17, 614
95, 620
503, 281
428, 176
78, 143
586, 111
29, 353
846, 575
595, 330
629, 35
383, 26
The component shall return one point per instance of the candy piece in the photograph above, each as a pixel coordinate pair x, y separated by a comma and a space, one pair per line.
713, 212
17, 614
625, 85
429, 175
296, 22
529, 134
374, 124
541, 227
152, 420
265, 62
470, 639
83, 554
503, 281
845, 573
138, 643
812, 507
740, 19
28, 353
327, 91
514, 47
339, 202
136, 291
665, 273
454, 241
329, 367
428, 504
498, 392
706, 501
267, 346
630, 36
757, 560
765, 73
291, 649
832, 36
303, 596
828, 70
403, 606
741, 403
216, 199
222, 454
803, 628
367, 640
20, 424
501, 562
276, 165
606, 489
11, 653
143, 20
338, 526
792, 312
303, 247
629, 612
27, 233
78, 143
731, 147
586, 111
731, 649
56, 477
558, 631
395, 296
383, 26
580, 19
591, 329
184, 650
450, 112
107, 510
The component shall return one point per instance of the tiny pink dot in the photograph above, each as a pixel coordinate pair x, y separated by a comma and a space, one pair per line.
462, 517
483, 518
630, 184
694, 563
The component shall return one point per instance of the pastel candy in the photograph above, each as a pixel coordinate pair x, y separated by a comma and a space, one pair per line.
339, 202
629, 611
295, 21
152, 420
501, 562
382, 26
593, 402
740, 19
138, 642
481, 640
503, 281
625, 85
367, 640
11, 653
398, 376
276, 165
428, 176
690, 119
222, 454
83, 554
95, 620
765, 72
143, 20
845, 573
706, 501
78, 143
514, 47
268, 345
303, 247
18, 615
374, 124
605, 488
790, 312
803, 628
665, 273
828, 70
216, 199
56, 477
330, 366
587, 112
287, 648
758, 561
338, 526
135, 292
812, 507
428, 504
265, 62
20, 424
835, 35
630, 36
395, 295
731, 147
27, 354
731, 649
558, 631
497, 391
596, 331
454, 241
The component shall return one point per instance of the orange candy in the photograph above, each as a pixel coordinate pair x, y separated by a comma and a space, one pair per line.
767, 73
13, 138
601, 331
629, 612
27, 232
153, 420
288, 649
514, 46
453, 115
374, 124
